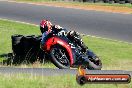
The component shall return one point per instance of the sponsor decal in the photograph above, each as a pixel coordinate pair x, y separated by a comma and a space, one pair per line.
82, 78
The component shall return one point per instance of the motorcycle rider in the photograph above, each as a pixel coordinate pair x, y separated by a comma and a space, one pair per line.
46, 28
76, 38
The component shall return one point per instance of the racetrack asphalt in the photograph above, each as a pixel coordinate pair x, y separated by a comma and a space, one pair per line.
102, 24
56, 72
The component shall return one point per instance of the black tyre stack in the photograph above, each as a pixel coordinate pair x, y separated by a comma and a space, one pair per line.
17, 48
31, 47
17, 44
122, 2
106, 1
24, 47
28, 42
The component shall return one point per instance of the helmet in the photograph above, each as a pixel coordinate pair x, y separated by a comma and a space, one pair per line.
45, 25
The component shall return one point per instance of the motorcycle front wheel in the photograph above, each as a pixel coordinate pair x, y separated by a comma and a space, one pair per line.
59, 57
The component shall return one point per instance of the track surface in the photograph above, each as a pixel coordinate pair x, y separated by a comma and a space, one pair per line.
109, 25
102, 24
55, 72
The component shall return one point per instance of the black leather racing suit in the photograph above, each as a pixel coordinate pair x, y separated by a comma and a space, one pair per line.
76, 38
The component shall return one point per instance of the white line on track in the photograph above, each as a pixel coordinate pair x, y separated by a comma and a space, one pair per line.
18, 21
81, 34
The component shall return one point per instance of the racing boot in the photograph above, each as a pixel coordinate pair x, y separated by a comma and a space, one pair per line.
89, 64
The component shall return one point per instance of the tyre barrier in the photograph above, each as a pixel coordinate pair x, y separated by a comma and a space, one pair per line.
106, 1
26, 48
17, 44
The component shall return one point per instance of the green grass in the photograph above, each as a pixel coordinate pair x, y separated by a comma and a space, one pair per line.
114, 55
81, 3
65, 81
9, 28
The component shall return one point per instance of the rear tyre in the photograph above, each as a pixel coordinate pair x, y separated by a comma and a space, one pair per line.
16, 39
59, 57
117, 1
106, 1
111, 2
122, 2
17, 44
95, 64
95, 1
10, 58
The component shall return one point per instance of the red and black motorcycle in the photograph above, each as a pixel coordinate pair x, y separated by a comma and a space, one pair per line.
65, 53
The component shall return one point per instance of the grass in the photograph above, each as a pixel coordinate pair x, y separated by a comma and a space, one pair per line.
65, 81
9, 28
114, 55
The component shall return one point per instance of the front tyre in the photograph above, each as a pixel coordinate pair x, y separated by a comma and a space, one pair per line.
59, 57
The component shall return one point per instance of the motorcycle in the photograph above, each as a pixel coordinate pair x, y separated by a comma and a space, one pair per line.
65, 53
